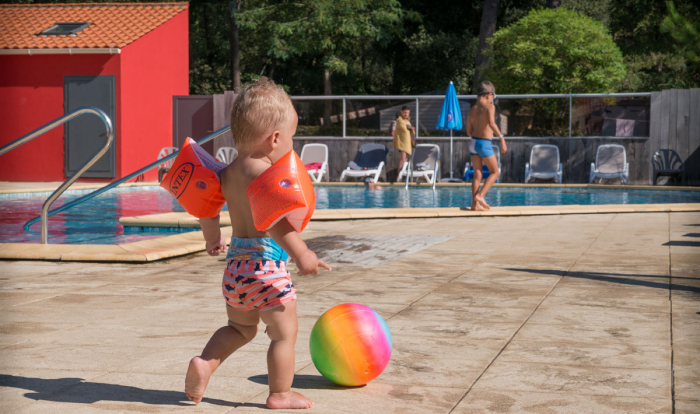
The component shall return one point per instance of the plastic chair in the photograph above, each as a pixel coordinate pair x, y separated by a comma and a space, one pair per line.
667, 163
164, 167
369, 161
469, 168
312, 153
226, 154
610, 162
427, 154
544, 163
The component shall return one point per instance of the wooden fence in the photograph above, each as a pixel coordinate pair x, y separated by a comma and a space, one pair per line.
675, 124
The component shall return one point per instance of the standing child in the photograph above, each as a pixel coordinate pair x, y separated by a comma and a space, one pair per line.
404, 136
481, 126
256, 283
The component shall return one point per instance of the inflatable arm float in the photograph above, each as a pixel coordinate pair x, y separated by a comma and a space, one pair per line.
194, 182
284, 190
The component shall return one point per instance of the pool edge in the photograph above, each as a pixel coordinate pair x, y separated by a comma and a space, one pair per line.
192, 242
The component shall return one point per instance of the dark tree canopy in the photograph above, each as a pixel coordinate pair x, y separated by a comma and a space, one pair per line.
431, 43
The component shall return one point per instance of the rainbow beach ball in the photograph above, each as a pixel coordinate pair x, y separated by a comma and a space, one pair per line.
350, 344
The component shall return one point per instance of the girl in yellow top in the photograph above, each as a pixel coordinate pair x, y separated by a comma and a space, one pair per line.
404, 136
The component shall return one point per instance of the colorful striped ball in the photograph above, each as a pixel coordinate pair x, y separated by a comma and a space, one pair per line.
350, 344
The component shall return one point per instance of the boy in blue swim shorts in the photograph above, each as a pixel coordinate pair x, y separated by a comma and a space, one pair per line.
256, 284
481, 126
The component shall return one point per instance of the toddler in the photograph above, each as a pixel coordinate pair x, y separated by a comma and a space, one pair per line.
256, 283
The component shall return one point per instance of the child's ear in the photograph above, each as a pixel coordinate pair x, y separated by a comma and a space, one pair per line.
274, 139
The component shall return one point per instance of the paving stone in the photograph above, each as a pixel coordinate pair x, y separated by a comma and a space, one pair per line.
583, 299
506, 401
615, 382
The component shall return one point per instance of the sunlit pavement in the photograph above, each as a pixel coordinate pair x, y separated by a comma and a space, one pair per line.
571, 313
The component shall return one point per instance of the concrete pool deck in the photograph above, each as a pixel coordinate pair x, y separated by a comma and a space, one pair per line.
191, 242
566, 313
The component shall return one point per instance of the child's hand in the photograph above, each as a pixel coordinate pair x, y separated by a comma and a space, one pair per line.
504, 147
308, 264
214, 249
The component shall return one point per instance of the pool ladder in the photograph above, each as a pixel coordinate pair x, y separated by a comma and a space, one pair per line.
45, 213
51, 125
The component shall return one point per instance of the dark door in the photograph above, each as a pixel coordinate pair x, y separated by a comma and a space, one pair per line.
86, 134
193, 117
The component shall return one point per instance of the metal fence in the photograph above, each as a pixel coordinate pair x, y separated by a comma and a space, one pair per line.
547, 116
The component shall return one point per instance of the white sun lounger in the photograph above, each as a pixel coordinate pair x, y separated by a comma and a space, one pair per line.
226, 154
610, 162
163, 168
311, 153
544, 163
427, 155
369, 161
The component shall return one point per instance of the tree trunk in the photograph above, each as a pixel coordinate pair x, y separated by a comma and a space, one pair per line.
553, 4
235, 7
487, 29
273, 65
327, 104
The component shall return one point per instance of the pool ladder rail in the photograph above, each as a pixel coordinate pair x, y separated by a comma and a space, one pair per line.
113, 184
51, 125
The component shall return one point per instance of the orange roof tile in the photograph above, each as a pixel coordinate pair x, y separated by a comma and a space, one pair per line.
111, 25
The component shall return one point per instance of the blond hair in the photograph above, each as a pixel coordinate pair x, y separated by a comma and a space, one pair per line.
259, 109
485, 88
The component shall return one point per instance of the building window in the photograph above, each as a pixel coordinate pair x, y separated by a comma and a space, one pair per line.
64, 29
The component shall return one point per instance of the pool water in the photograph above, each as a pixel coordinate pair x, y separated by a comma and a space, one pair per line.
97, 220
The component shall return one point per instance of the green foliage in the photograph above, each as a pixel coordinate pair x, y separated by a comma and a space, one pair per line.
595, 9
686, 34
555, 51
653, 61
334, 30
434, 59
415, 46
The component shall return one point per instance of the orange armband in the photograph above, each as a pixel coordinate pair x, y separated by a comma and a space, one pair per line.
283, 191
194, 182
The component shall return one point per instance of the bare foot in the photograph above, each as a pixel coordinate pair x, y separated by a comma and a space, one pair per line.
197, 378
477, 207
480, 199
289, 399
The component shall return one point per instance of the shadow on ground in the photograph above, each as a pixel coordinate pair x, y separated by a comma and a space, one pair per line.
91, 392
682, 243
621, 278
305, 382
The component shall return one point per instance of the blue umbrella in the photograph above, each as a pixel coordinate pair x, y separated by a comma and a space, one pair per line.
450, 118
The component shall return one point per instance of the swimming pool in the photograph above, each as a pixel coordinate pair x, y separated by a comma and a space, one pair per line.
97, 220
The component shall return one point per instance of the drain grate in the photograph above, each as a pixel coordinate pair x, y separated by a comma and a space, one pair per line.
370, 250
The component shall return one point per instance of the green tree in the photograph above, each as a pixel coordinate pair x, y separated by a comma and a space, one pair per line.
555, 51
653, 62
686, 34
336, 31
448, 56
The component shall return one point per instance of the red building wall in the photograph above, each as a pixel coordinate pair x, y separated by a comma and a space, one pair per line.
154, 68
31, 94
148, 72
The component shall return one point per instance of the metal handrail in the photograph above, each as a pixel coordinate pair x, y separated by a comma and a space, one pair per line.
417, 99
511, 96
111, 185
51, 125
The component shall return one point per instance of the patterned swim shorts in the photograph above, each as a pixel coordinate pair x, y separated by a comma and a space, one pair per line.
257, 284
